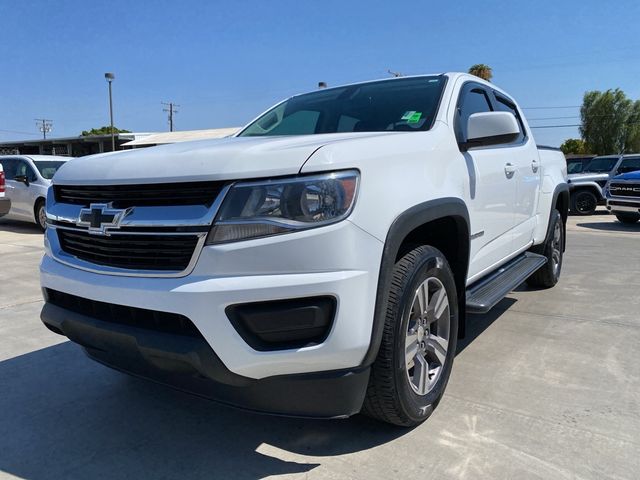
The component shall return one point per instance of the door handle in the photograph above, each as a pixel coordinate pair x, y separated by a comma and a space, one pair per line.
509, 170
535, 165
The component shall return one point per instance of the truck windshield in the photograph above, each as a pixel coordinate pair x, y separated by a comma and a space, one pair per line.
629, 165
404, 104
601, 165
48, 168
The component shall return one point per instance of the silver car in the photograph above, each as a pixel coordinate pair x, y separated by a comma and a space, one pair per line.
27, 178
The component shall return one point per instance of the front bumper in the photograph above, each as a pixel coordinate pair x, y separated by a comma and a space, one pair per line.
191, 365
623, 205
340, 261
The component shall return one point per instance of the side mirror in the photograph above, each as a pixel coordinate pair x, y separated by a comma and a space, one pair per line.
22, 178
490, 128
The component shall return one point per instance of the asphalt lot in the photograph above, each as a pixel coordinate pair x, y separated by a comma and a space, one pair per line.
545, 386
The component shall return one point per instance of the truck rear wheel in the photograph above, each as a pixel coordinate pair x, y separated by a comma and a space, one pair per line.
583, 202
411, 371
549, 274
628, 217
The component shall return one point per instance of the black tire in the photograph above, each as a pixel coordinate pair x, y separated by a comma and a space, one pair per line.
37, 211
628, 217
390, 396
553, 248
583, 202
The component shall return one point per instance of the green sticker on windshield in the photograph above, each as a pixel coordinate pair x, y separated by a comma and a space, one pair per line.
408, 115
415, 118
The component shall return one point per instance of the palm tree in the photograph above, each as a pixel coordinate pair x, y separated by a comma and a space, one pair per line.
481, 70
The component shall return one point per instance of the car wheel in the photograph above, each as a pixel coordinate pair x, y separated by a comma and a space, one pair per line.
41, 215
549, 274
411, 371
628, 217
583, 202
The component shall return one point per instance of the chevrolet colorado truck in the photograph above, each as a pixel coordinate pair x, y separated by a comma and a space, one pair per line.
319, 263
623, 195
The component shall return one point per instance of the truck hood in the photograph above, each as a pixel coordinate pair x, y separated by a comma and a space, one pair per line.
217, 159
629, 176
587, 177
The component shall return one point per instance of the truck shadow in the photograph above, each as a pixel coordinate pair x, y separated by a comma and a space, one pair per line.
612, 226
64, 416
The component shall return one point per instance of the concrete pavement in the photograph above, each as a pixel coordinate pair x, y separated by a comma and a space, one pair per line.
547, 385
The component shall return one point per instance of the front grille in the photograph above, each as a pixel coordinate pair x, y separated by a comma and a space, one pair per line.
148, 195
617, 203
139, 252
163, 322
625, 190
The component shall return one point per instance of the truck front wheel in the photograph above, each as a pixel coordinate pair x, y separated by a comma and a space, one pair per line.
583, 202
411, 371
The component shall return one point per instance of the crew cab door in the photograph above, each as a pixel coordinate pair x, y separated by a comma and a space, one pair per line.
523, 154
492, 185
19, 192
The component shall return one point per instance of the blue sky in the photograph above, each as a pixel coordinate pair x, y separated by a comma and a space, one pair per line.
225, 62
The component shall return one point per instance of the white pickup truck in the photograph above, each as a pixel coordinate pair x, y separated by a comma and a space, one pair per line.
319, 263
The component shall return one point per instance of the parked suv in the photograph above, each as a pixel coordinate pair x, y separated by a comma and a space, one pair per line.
319, 263
623, 192
27, 179
587, 187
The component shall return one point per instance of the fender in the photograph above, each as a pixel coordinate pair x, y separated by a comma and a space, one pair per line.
404, 224
588, 185
562, 189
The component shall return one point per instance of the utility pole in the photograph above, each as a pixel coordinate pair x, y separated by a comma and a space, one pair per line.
171, 110
44, 125
110, 77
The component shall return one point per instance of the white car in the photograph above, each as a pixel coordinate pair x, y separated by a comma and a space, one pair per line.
27, 179
322, 261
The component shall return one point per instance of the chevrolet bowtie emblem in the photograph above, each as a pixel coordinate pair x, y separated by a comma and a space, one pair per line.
100, 218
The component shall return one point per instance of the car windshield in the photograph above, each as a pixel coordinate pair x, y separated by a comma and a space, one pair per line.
601, 165
48, 168
629, 165
405, 104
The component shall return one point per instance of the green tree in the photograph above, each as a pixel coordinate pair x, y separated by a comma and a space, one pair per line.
103, 131
481, 70
610, 122
574, 145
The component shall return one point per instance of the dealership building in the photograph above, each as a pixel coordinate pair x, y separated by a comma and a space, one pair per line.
88, 145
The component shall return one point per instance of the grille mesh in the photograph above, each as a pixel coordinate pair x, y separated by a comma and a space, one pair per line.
123, 196
140, 252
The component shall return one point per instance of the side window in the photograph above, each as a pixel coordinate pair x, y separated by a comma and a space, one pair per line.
23, 168
629, 165
504, 105
9, 167
472, 101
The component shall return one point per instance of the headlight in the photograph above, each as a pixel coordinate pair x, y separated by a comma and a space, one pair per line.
271, 207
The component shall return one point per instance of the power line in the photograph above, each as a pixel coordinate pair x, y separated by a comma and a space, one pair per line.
171, 110
44, 125
17, 131
556, 126
551, 108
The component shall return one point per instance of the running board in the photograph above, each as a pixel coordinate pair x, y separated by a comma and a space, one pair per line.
484, 294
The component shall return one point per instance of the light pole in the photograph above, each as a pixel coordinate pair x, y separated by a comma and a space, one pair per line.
110, 77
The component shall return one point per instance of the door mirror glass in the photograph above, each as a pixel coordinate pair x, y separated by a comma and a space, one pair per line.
491, 128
